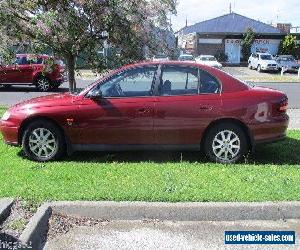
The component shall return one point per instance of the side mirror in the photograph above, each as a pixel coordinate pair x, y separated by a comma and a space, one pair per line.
95, 94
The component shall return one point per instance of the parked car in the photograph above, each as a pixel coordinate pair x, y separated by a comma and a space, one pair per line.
159, 58
44, 72
209, 61
262, 62
151, 106
287, 61
186, 58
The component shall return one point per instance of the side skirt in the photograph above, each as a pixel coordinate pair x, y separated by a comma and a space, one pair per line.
106, 147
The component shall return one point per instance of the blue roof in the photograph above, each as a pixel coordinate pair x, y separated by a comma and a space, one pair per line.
231, 23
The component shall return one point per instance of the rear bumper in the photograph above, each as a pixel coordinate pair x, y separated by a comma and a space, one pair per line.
9, 132
270, 140
271, 131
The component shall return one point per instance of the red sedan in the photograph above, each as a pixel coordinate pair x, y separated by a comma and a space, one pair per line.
151, 106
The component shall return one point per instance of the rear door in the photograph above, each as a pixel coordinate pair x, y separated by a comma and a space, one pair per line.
188, 101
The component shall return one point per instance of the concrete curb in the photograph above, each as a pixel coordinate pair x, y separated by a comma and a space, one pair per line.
190, 211
36, 229
33, 235
5, 206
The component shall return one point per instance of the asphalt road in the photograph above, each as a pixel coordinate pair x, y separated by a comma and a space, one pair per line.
16, 94
167, 235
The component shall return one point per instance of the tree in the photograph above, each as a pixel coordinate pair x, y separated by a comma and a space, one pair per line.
288, 46
246, 43
77, 27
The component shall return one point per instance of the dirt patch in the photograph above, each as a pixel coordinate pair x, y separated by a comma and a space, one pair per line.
21, 212
61, 224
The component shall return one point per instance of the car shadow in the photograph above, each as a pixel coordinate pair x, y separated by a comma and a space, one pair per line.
30, 89
281, 153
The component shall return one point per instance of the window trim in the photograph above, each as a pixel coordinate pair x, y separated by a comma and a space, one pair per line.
199, 81
152, 89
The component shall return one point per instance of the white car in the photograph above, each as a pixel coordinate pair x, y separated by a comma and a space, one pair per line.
209, 61
262, 62
160, 58
186, 58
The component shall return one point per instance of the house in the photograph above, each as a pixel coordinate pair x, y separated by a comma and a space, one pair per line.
223, 35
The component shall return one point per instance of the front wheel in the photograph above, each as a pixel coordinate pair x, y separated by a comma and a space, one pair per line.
259, 69
43, 141
43, 83
226, 143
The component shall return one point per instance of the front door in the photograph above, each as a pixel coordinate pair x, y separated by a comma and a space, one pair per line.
124, 113
189, 100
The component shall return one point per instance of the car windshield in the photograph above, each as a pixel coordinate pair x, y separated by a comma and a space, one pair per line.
265, 57
186, 58
208, 58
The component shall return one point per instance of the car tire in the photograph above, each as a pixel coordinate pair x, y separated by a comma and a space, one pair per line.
43, 83
7, 86
226, 143
259, 69
43, 141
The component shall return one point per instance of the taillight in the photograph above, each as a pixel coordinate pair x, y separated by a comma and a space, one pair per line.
283, 105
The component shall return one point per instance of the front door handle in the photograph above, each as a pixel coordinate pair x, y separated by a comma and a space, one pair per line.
144, 110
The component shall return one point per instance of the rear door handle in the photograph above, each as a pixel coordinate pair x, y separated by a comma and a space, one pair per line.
205, 107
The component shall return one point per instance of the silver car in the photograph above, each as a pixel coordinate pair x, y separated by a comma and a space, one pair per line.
288, 62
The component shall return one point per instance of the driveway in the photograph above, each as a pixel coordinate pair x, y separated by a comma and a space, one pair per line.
166, 235
16, 94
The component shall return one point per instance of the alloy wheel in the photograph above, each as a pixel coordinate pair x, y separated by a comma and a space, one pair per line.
42, 143
43, 84
226, 145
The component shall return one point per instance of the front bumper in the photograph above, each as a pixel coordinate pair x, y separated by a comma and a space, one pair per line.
9, 132
269, 68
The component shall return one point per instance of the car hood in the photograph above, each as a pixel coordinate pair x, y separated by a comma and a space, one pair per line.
65, 99
288, 63
211, 63
269, 62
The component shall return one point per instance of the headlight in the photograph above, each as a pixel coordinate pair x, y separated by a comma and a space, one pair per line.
6, 116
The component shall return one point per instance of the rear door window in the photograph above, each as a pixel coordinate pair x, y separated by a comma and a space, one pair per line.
177, 80
208, 83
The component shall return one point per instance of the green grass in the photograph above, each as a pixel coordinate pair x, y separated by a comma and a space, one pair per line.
273, 173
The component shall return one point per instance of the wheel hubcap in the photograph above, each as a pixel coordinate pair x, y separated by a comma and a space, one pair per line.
42, 143
226, 145
43, 84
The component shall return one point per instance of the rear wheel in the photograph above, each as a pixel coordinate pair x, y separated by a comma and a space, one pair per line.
43, 141
43, 83
226, 143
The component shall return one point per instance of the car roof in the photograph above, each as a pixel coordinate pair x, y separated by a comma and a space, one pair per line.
32, 55
285, 56
260, 53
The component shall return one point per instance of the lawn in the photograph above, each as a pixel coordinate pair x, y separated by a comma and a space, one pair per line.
273, 173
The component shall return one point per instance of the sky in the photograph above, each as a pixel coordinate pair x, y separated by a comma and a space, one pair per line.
263, 10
